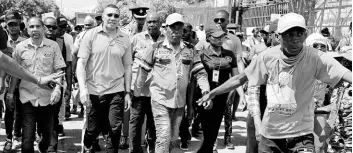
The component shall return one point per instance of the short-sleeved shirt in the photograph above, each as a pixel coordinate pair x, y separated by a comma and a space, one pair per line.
40, 61
13, 43
231, 42
290, 91
68, 45
140, 43
223, 62
170, 73
106, 60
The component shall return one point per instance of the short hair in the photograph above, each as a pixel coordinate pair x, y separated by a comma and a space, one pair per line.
325, 31
36, 18
188, 25
223, 12
112, 6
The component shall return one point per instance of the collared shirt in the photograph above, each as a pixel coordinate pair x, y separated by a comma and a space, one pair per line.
106, 60
41, 61
171, 70
78, 39
13, 43
130, 29
140, 43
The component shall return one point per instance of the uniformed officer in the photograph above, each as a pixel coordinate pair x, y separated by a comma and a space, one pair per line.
139, 15
171, 63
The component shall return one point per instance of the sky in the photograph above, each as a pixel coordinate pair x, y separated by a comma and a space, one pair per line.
69, 7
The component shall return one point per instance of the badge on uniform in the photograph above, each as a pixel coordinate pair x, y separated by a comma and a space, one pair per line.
215, 76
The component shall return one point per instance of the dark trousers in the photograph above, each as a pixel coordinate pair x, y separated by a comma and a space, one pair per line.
251, 142
13, 118
55, 138
41, 117
211, 122
184, 129
106, 109
301, 144
232, 102
140, 107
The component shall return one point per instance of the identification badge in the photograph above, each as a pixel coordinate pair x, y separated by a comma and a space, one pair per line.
215, 76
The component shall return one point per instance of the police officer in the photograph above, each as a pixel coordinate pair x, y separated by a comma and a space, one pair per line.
139, 15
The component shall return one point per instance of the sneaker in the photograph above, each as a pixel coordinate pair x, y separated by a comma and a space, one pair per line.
61, 132
123, 143
96, 146
150, 145
228, 143
87, 150
184, 145
16, 143
8, 146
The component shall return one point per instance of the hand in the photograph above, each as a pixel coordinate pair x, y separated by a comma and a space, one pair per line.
85, 100
190, 113
55, 97
208, 105
67, 94
10, 102
44, 81
127, 102
205, 98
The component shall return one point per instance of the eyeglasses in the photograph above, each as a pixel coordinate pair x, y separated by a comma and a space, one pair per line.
216, 20
115, 15
319, 45
51, 27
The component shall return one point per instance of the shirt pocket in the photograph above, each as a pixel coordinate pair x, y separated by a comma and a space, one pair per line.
48, 64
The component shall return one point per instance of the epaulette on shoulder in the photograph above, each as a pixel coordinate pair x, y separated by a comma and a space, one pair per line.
189, 45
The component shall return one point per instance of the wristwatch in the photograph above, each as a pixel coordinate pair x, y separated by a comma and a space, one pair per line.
130, 94
205, 93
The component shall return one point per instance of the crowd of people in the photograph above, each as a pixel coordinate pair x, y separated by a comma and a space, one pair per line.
296, 85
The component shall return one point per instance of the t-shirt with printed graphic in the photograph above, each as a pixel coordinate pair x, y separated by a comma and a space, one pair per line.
290, 93
223, 62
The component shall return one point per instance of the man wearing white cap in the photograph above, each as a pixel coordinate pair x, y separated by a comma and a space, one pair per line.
290, 71
171, 63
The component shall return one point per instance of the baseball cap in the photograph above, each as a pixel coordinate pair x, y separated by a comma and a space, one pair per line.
61, 21
290, 20
174, 18
214, 31
12, 16
88, 20
266, 29
273, 26
139, 12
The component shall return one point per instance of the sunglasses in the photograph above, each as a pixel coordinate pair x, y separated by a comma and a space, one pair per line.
216, 20
115, 15
319, 45
51, 27
88, 25
13, 24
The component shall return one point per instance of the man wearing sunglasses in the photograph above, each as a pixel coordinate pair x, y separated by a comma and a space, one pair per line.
170, 63
290, 71
104, 77
232, 43
13, 104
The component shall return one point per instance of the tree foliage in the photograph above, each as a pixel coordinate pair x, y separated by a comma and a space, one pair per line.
26, 7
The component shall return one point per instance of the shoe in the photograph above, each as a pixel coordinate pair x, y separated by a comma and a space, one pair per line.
184, 145
215, 145
74, 109
123, 143
8, 146
80, 115
61, 132
67, 113
228, 143
88, 150
16, 143
96, 146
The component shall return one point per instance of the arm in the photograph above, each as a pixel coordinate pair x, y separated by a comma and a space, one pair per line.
252, 52
81, 74
239, 89
2, 81
254, 107
127, 62
231, 84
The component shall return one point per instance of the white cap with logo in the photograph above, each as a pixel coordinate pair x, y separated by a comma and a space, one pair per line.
290, 20
174, 18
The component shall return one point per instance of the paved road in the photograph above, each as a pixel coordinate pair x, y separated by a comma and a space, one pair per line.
71, 142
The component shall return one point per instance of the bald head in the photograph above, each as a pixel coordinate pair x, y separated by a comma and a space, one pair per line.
153, 22
222, 13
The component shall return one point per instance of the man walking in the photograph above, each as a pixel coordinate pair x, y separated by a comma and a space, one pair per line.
42, 57
104, 76
141, 103
170, 63
290, 71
